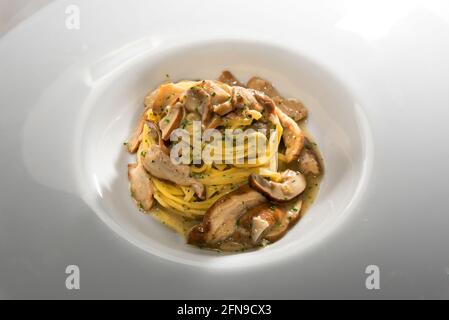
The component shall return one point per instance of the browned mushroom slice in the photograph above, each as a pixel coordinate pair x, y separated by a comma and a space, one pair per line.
293, 136
223, 108
220, 221
262, 85
308, 162
228, 78
292, 184
285, 218
266, 102
245, 98
171, 121
291, 107
157, 136
217, 93
196, 99
134, 139
207, 114
140, 185
166, 95
193, 116
259, 220
159, 165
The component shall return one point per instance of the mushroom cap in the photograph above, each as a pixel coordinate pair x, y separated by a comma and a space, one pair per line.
228, 78
308, 162
292, 185
140, 186
286, 219
262, 85
219, 222
171, 121
293, 136
159, 165
291, 107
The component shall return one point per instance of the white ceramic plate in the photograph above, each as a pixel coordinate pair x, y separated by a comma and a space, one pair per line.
376, 91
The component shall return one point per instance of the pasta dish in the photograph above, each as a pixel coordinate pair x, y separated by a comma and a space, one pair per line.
228, 165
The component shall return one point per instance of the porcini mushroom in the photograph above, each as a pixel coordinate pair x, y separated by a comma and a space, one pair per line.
291, 185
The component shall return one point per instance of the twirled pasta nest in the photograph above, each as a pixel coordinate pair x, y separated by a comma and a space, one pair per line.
228, 165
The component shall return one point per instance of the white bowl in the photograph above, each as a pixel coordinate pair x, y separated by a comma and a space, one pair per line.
336, 121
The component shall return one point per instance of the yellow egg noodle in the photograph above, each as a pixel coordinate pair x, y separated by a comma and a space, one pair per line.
219, 178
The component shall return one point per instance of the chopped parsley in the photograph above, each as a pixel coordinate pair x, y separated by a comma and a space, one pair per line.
184, 123
198, 175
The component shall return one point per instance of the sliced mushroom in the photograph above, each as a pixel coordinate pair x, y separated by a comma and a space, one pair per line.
259, 220
261, 224
171, 121
308, 162
262, 85
220, 221
196, 99
291, 107
292, 184
245, 98
266, 102
267, 221
158, 164
286, 216
193, 116
228, 78
166, 95
140, 185
135, 138
216, 91
223, 108
293, 136
150, 98
157, 136
207, 114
